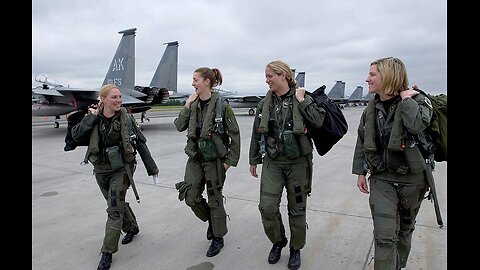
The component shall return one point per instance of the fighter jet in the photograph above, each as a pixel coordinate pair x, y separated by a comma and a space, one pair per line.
57, 100
337, 94
164, 82
356, 98
251, 101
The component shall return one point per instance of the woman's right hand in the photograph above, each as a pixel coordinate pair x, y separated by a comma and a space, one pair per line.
253, 170
191, 99
94, 109
362, 184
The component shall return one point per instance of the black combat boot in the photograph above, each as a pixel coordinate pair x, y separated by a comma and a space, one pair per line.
294, 261
276, 251
129, 236
215, 247
105, 261
209, 230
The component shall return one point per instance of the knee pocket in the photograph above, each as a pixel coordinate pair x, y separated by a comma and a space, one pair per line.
267, 214
405, 231
217, 213
213, 204
191, 198
297, 212
115, 214
385, 239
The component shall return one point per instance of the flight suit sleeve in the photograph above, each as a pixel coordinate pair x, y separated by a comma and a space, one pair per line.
142, 149
82, 130
254, 153
416, 113
358, 167
311, 112
181, 122
233, 132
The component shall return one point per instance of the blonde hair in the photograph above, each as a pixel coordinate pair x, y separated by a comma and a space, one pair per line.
104, 91
394, 75
280, 67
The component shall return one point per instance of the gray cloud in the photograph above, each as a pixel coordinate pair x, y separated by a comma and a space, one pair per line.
74, 41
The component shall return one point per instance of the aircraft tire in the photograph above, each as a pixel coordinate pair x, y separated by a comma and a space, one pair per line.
56, 124
251, 112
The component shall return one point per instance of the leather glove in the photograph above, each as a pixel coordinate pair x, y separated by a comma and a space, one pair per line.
182, 188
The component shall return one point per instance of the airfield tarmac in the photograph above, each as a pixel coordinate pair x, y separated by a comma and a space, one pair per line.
68, 210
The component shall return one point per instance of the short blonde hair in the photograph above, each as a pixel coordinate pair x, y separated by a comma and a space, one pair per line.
281, 67
394, 75
105, 90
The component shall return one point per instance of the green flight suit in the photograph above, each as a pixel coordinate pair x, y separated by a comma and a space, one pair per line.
278, 171
397, 174
113, 183
200, 171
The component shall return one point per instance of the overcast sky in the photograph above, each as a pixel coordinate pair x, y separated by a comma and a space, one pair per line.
74, 41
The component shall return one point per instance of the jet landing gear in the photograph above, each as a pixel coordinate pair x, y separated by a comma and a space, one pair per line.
56, 124
251, 111
144, 116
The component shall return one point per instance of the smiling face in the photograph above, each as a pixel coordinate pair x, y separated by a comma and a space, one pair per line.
200, 84
275, 82
111, 99
374, 80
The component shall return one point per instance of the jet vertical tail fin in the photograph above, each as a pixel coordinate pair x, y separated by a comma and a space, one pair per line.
167, 71
357, 93
338, 91
121, 71
300, 79
368, 96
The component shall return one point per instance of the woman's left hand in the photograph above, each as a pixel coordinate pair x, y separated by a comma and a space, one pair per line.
300, 94
226, 166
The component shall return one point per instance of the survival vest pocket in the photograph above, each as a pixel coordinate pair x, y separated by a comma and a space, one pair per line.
290, 145
415, 160
397, 162
115, 157
207, 148
271, 147
191, 148
219, 146
374, 162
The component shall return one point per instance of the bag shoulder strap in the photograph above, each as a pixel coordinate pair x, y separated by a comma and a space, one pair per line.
219, 115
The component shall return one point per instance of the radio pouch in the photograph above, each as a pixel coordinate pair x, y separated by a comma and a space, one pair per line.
207, 148
290, 145
115, 157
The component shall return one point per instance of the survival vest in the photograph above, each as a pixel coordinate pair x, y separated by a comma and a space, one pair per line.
334, 125
72, 120
438, 125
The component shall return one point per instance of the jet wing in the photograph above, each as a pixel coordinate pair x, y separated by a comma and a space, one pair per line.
238, 98
177, 95
46, 92
127, 99
131, 92
56, 91
243, 101
71, 89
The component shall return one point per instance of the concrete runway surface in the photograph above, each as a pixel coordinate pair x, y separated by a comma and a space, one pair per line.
68, 210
